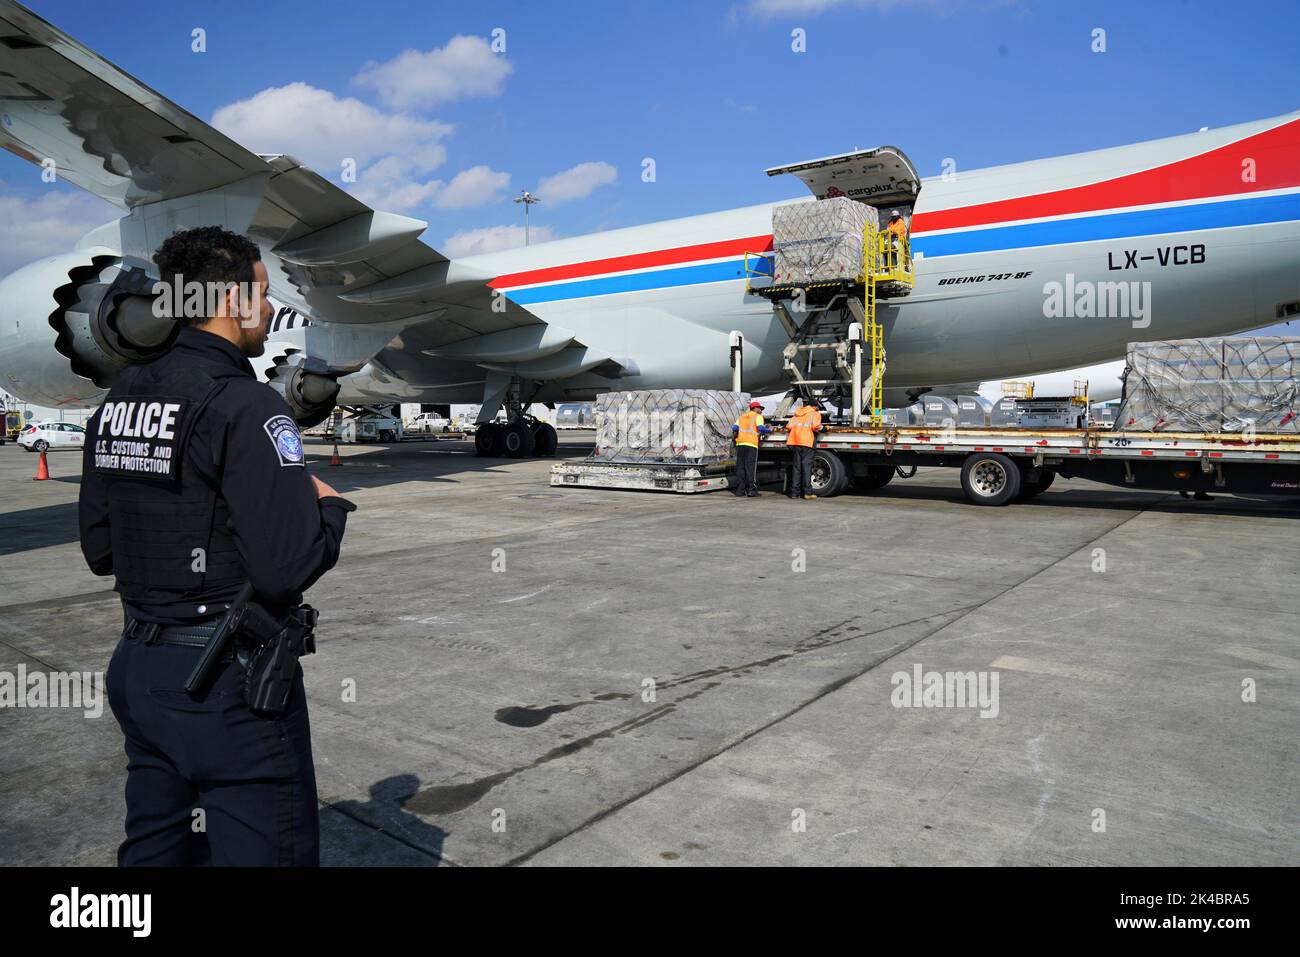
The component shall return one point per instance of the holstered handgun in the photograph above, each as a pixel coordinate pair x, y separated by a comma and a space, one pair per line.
269, 676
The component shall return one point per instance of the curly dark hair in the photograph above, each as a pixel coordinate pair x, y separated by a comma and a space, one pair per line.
206, 254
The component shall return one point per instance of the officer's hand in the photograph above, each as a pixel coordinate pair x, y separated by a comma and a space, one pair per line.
322, 490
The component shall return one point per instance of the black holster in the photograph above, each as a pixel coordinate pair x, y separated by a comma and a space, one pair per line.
276, 646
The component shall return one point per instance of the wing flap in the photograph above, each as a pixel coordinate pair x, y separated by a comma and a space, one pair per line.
106, 132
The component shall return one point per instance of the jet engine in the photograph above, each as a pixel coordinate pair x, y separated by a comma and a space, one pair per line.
305, 381
70, 324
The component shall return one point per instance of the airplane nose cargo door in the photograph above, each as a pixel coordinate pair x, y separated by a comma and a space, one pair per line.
882, 177
831, 260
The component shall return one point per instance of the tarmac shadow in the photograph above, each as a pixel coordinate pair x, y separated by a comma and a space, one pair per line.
352, 837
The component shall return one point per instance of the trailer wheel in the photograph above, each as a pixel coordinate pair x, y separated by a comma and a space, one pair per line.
877, 477
990, 479
1039, 485
829, 476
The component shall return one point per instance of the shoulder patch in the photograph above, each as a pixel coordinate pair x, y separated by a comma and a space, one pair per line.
283, 432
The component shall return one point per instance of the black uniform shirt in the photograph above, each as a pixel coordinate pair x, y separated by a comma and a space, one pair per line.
286, 537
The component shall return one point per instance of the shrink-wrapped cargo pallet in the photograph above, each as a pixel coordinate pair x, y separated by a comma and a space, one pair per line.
1218, 385
667, 426
820, 240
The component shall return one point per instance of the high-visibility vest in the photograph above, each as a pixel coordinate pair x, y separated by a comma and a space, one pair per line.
898, 227
749, 423
801, 427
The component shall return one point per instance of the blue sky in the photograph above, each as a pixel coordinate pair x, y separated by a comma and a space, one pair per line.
711, 91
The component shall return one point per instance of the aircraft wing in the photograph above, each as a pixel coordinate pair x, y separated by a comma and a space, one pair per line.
329, 255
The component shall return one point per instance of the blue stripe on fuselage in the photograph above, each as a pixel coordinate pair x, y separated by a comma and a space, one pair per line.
1132, 225
1143, 222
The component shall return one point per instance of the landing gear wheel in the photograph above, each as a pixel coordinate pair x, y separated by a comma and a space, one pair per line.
487, 440
877, 477
829, 476
990, 479
517, 440
545, 440
1029, 489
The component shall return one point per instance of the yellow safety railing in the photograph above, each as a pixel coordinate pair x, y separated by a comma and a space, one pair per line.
766, 268
1018, 389
873, 334
887, 256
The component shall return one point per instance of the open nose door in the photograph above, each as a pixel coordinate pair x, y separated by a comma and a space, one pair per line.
880, 177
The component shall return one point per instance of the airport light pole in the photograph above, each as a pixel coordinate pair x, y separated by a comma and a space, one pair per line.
528, 199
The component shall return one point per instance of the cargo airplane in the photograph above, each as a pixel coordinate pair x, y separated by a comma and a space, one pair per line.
1019, 269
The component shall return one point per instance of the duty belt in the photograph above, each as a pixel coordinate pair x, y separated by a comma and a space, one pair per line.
193, 635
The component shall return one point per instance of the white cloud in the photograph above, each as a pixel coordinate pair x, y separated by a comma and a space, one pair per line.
473, 187
47, 224
473, 242
466, 67
393, 184
323, 130
576, 182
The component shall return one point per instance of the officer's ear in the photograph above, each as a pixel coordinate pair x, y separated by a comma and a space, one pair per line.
230, 301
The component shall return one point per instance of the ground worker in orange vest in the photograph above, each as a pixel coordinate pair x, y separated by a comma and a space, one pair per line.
748, 428
897, 228
799, 438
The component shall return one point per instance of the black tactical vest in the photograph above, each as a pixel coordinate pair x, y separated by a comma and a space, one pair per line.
169, 526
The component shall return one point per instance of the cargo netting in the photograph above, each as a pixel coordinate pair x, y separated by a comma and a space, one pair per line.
1217, 385
820, 240
667, 426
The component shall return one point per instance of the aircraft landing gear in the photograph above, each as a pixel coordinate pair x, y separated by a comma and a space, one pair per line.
521, 439
522, 435
545, 440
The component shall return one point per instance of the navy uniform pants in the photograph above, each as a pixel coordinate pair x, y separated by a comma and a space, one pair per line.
252, 778
801, 470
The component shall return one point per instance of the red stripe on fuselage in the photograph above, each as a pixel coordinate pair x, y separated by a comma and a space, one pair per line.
1275, 154
1276, 165
660, 257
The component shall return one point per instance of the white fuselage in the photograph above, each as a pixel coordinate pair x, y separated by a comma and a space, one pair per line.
1019, 269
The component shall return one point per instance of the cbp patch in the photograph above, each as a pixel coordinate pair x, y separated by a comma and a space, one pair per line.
283, 432
140, 438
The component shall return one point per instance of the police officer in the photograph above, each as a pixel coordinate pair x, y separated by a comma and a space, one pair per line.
193, 486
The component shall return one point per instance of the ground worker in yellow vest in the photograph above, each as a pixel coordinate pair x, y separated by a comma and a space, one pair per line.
799, 439
748, 428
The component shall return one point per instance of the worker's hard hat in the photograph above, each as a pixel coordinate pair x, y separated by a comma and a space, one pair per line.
893, 214
756, 404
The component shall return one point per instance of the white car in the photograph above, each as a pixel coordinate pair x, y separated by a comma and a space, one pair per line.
429, 422
47, 436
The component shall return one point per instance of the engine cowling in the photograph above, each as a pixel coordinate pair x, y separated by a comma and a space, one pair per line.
70, 324
305, 382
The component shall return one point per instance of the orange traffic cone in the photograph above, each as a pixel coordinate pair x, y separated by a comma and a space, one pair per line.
334, 459
42, 470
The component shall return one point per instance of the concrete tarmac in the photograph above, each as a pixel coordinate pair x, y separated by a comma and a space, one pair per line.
510, 673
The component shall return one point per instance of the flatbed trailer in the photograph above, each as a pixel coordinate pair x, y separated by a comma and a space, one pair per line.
999, 466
